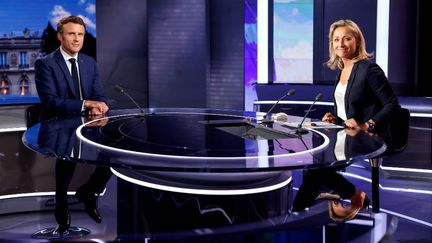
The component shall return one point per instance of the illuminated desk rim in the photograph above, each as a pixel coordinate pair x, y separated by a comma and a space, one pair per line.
124, 151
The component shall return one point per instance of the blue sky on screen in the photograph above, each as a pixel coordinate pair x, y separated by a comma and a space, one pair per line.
293, 32
15, 15
293, 41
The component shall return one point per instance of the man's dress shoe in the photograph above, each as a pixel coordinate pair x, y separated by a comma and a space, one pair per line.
90, 201
63, 218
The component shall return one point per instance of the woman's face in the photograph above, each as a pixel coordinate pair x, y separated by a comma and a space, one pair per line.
344, 43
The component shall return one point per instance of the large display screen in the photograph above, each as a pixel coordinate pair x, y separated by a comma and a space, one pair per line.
293, 41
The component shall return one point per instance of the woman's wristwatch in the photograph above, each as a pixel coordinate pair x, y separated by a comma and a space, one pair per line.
370, 126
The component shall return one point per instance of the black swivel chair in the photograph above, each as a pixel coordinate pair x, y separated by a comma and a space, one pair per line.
32, 114
399, 128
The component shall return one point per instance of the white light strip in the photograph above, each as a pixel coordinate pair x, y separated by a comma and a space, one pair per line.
360, 222
263, 149
300, 102
420, 115
382, 34
13, 129
130, 152
262, 39
323, 234
407, 217
420, 128
359, 166
33, 194
202, 191
396, 189
405, 169
38, 194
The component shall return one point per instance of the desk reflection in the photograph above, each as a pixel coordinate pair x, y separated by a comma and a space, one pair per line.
59, 136
328, 184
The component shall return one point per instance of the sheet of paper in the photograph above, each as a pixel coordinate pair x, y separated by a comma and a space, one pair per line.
314, 124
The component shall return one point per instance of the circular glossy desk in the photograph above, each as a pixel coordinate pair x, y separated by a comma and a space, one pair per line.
198, 151
204, 163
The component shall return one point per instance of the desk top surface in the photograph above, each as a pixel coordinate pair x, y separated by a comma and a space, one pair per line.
197, 140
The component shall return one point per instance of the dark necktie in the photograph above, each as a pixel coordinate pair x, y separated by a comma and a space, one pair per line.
75, 77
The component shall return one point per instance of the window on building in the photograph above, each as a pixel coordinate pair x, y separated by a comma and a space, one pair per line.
24, 85
4, 88
14, 60
23, 60
3, 60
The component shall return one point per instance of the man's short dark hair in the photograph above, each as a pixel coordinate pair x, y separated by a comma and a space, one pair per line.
69, 19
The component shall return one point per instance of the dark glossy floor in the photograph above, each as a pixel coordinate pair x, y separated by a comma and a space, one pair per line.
135, 213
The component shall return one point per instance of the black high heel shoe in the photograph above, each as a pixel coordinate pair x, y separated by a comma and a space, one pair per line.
366, 203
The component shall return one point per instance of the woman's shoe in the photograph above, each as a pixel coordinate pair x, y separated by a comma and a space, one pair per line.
366, 202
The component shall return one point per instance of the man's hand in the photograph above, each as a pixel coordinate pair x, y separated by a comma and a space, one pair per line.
101, 121
95, 108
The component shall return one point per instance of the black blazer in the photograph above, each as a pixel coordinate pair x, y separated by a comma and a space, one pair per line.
368, 95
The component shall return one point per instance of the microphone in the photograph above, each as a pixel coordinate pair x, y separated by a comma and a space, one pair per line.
301, 130
122, 91
265, 120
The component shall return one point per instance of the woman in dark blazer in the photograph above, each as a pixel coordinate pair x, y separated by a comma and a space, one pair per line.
364, 99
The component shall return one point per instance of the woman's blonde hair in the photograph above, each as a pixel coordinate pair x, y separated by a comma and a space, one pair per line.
336, 62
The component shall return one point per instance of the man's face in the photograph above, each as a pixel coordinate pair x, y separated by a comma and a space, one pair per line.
72, 38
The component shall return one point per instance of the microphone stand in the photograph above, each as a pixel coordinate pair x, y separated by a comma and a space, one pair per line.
300, 130
266, 120
122, 91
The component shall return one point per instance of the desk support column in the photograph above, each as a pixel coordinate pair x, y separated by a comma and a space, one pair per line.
374, 163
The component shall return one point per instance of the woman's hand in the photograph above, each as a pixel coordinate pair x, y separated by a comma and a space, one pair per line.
329, 117
353, 124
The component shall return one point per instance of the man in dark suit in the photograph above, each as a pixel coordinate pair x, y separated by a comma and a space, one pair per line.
61, 92
68, 84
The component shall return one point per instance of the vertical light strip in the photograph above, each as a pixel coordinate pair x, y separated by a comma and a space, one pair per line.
382, 34
323, 234
263, 151
380, 227
262, 39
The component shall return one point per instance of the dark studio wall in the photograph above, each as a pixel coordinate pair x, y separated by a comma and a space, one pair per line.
423, 81
122, 49
410, 34
177, 53
225, 86
173, 53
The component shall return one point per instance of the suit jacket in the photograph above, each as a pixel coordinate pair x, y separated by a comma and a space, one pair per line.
55, 86
57, 136
369, 95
